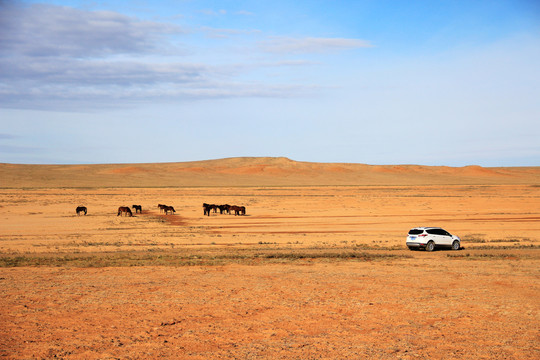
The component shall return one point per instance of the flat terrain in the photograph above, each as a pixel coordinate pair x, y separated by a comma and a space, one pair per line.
317, 268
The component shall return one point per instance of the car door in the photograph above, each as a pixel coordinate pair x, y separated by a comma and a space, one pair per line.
435, 235
445, 237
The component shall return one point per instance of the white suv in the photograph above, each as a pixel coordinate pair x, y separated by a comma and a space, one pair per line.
431, 237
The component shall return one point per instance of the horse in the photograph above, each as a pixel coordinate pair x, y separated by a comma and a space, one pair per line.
223, 208
238, 210
206, 208
80, 209
138, 208
124, 210
161, 207
169, 208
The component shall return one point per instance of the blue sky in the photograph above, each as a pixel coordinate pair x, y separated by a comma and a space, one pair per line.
379, 82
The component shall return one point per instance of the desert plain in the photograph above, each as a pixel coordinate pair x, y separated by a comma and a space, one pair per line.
317, 268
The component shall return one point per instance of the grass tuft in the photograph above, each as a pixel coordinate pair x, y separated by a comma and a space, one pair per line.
203, 257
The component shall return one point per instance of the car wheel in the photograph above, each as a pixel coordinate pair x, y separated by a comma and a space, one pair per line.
455, 245
430, 246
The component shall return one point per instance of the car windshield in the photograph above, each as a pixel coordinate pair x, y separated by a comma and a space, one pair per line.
415, 231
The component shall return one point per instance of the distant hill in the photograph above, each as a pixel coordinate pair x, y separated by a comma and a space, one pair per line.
256, 171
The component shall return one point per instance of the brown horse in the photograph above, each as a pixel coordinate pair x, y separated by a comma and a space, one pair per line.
161, 207
81, 209
124, 210
168, 209
138, 208
238, 210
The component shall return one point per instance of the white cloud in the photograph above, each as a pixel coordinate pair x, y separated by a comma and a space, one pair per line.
7, 136
245, 13
212, 12
75, 72
311, 45
226, 33
51, 31
53, 56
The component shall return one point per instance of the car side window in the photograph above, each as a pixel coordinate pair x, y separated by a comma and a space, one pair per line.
438, 232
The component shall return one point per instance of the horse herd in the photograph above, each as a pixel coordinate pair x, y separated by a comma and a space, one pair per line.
126, 211
122, 210
238, 210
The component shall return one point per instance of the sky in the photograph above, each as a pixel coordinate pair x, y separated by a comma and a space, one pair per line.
449, 82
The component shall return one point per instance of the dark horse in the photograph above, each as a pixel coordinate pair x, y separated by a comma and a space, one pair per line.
238, 210
224, 208
138, 208
208, 207
161, 207
81, 209
168, 209
124, 210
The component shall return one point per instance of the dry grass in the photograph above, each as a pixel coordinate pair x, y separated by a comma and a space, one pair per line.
489, 256
206, 257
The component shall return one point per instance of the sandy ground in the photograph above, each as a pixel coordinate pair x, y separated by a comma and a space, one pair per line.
425, 307
44, 220
479, 302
